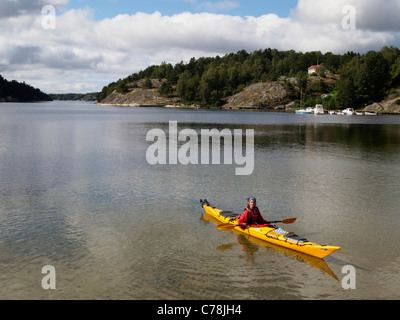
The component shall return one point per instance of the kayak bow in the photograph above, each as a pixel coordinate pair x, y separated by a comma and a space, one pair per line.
271, 234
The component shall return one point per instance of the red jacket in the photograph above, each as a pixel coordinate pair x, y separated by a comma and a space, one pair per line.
254, 215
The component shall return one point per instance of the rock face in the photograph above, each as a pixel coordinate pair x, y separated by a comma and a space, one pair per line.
268, 95
390, 104
272, 95
138, 97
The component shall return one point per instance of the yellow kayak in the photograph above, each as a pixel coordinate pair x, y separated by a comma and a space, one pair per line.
271, 234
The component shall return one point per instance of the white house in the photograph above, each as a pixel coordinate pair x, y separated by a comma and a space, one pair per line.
314, 68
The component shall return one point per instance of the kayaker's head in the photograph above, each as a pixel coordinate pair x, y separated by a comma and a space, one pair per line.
252, 202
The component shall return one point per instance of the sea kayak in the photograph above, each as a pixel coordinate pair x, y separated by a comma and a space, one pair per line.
271, 233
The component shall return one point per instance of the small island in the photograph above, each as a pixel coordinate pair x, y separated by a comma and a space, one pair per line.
267, 80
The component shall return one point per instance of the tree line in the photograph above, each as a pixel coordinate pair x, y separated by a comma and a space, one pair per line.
92, 96
362, 78
20, 92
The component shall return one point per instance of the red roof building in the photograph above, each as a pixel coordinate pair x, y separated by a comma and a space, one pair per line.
313, 68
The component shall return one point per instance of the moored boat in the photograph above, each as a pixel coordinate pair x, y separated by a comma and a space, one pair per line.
349, 111
319, 109
305, 111
270, 233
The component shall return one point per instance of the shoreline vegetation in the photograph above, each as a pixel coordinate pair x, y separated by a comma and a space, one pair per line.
264, 80
91, 96
14, 91
382, 112
268, 80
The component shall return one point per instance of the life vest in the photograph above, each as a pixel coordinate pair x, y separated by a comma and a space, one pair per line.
252, 215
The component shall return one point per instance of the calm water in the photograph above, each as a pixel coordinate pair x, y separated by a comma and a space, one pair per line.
77, 193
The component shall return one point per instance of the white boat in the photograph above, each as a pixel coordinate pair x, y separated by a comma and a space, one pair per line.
319, 109
305, 111
371, 113
349, 111
332, 112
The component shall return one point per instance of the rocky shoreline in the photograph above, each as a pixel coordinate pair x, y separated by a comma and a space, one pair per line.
267, 96
390, 105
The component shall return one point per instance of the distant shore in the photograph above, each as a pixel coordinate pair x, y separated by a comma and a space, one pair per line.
136, 105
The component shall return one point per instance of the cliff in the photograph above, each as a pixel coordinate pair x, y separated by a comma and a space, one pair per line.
390, 105
270, 95
140, 96
264, 95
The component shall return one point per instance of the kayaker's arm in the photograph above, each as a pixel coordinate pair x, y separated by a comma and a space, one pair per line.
261, 220
242, 222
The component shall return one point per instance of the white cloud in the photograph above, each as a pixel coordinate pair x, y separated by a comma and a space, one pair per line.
92, 53
377, 15
14, 8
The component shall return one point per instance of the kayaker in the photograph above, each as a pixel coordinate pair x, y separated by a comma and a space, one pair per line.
251, 215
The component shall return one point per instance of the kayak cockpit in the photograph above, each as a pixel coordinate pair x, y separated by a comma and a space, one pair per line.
295, 238
229, 214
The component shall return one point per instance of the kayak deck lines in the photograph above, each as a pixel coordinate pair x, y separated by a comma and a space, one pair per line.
288, 236
271, 233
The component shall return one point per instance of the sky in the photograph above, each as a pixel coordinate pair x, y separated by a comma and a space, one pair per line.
111, 8
79, 46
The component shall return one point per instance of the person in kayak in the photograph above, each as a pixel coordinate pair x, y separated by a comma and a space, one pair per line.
251, 215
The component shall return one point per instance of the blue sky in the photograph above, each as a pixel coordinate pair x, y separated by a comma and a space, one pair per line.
110, 8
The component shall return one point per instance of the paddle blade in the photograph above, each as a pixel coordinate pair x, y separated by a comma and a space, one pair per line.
226, 226
290, 220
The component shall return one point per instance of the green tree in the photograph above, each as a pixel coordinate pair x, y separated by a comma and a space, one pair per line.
187, 86
395, 73
345, 97
377, 75
166, 89
122, 87
207, 80
391, 54
21, 91
350, 90
147, 84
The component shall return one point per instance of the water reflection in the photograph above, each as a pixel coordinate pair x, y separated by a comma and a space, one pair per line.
77, 192
250, 246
